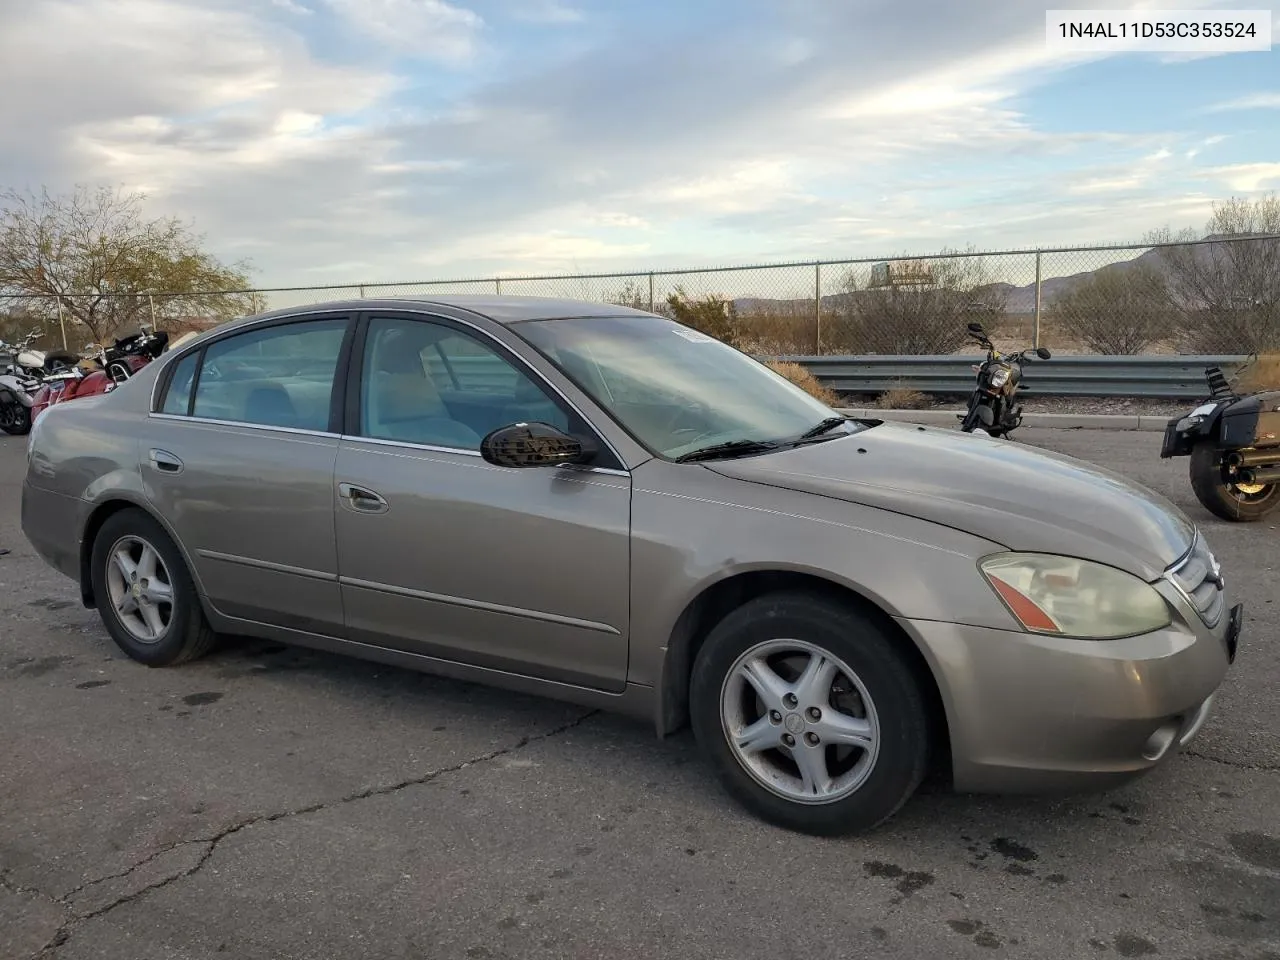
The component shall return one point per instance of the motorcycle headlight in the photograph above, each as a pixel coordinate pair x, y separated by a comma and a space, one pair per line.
1066, 597
999, 377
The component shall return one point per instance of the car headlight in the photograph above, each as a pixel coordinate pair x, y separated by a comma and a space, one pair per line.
999, 377
1066, 597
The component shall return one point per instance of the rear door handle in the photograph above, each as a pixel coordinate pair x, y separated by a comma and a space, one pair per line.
165, 462
360, 499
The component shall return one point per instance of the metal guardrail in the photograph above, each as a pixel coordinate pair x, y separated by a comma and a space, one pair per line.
1154, 377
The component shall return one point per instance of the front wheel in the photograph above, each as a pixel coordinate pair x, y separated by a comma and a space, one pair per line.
1229, 501
810, 713
15, 419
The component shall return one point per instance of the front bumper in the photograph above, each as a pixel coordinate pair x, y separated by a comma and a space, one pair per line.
1034, 714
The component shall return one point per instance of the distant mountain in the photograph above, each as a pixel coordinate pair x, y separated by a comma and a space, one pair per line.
1021, 299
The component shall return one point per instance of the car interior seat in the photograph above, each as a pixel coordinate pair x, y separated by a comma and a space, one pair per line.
402, 400
270, 405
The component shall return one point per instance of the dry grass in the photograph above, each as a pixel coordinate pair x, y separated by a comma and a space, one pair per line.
902, 398
806, 381
1263, 374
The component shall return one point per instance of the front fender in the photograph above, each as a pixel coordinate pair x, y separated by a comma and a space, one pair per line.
697, 534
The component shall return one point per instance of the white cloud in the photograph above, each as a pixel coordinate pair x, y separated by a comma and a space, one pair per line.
1254, 101
1248, 177
547, 11
292, 6
732, 141
749, 186
425, 28
535, 251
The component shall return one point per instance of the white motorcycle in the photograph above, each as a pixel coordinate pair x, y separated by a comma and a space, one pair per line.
40, 363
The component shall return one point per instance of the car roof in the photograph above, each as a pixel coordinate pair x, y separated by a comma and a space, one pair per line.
497, 307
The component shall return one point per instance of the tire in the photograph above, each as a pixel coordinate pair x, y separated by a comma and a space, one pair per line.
868, 786
186, 634
15, 419
1223, 501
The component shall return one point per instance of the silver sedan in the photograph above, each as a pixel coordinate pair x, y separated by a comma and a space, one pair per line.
599, 504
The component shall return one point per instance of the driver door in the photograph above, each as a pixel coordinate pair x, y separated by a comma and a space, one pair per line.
524, 570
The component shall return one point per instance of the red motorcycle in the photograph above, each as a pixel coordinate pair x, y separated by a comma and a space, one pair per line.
109, 367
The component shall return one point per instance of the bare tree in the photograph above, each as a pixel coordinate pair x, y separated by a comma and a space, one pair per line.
94, 254
925, 313
1121, 309
1228, 291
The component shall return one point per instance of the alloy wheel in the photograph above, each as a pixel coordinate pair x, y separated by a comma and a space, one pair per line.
800, 721
141, 589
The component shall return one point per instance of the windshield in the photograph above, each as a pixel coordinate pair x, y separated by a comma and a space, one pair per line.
674, 389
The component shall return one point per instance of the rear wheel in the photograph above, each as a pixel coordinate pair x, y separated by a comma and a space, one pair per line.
810, 713
144, 593
1229, 501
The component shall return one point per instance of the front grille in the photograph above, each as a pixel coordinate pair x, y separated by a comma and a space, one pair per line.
1197, 577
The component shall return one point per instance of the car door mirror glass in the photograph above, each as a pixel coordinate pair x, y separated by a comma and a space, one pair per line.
534, 444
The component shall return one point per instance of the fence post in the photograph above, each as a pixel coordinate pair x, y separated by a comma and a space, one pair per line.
362, 291
651, 293
497, 285
817, 308
1035, 328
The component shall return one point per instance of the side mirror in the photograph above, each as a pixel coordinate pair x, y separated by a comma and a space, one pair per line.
534, 445
1043, 353
975, 328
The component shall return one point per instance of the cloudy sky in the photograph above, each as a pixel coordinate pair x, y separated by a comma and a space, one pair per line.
348, 140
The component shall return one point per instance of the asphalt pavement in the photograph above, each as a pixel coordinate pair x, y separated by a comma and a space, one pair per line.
274, 803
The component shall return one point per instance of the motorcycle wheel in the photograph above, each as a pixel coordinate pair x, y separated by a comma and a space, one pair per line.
1228, 501
15, 419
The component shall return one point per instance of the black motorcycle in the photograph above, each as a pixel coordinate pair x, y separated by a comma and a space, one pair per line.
1233, 440
991, 405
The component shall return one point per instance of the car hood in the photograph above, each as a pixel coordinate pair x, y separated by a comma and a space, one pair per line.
1017, 496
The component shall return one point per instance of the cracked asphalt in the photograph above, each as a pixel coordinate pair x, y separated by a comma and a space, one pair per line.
274, 803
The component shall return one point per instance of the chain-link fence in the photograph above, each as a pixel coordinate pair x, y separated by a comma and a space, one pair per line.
1219, 295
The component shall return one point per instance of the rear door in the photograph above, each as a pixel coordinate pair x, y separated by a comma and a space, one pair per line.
442, 554
240, 459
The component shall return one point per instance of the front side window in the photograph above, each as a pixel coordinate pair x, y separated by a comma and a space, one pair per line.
429, 383
280, 376
674, 389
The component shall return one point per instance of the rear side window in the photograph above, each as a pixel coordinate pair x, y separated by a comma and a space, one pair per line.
177, 397
281, 376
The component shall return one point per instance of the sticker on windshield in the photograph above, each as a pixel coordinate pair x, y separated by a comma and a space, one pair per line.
694, 336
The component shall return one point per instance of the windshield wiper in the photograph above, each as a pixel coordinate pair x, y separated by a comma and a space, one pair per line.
826, 425
727, 449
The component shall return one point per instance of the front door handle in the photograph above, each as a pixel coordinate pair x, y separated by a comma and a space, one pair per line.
360, 499
165, 462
